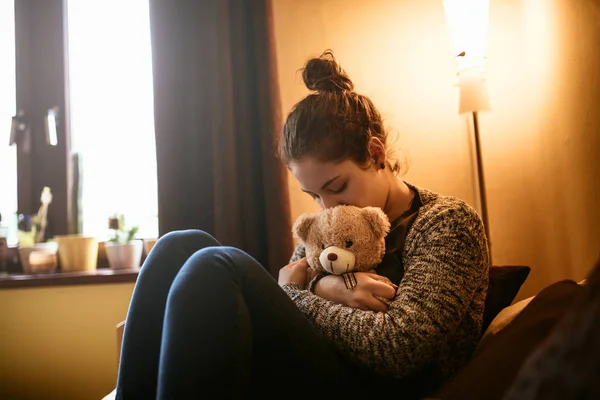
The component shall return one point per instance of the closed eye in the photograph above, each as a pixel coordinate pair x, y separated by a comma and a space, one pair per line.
341, 189
311, 194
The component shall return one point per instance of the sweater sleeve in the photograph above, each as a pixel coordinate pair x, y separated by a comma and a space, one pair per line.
442, 272
299, 252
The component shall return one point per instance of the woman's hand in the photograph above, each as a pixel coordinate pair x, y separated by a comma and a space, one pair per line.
296, 272
363, 296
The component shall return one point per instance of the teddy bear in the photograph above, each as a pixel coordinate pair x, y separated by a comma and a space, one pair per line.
343, 239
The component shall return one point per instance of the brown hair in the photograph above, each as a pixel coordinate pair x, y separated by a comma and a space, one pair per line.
334, 123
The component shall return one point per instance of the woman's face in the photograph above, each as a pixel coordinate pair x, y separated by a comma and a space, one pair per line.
343, 183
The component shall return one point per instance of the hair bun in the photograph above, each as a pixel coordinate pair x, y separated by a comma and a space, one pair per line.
324, 74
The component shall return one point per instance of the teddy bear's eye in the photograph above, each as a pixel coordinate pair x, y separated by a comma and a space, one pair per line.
349, 244
322, 246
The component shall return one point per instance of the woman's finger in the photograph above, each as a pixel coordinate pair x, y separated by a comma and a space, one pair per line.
301, 263
376, 305
383, 290
380, 278
367, 302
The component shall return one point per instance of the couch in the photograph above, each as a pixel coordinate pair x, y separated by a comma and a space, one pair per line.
511, 331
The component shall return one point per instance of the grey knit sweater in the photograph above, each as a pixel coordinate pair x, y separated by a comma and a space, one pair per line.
434, 322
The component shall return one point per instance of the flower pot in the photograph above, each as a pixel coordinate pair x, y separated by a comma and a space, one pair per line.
148, 245
77, 253
124, 256
39, 258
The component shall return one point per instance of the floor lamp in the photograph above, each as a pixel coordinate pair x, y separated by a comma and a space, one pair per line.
468, 25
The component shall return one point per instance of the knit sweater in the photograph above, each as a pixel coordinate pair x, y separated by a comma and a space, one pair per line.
434, 322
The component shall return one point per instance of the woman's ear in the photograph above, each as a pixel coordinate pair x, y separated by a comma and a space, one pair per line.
302, 226
377, 220
377, 151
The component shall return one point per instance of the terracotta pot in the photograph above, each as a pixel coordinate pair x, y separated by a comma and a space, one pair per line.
39, 258
148, 245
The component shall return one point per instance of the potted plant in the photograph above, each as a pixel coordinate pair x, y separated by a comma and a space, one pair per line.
123, 250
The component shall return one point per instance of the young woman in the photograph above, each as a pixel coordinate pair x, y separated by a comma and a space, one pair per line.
208, 319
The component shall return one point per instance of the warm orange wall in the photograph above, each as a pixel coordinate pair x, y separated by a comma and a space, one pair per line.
540, 142
60, 343
544, 136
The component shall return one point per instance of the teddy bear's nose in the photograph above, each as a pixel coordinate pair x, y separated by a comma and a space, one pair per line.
332, 256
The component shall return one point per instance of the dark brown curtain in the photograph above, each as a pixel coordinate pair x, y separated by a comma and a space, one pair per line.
217, 113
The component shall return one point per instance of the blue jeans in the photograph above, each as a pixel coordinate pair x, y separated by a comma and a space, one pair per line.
209, 320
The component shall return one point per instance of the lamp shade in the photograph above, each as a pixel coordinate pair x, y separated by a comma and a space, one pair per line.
468, 22
468, 25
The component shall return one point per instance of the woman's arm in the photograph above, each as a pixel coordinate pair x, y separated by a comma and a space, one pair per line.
442, 274
369, 294
331, 287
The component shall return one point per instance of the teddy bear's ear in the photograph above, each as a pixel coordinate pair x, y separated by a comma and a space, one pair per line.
302, 226
378, 221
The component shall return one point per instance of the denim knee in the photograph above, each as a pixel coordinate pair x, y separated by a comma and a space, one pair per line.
192, 238
231, 258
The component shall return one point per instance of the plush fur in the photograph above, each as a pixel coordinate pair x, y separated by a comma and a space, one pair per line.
343, 239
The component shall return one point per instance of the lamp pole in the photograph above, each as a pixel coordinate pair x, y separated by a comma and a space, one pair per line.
468, 27
481, 182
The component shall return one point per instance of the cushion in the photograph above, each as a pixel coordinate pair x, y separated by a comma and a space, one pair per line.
567, 364
505, 283
509, 313
499, 357
506, 316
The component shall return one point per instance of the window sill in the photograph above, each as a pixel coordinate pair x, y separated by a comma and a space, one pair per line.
99, 276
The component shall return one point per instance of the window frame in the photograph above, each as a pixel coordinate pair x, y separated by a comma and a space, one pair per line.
42, 84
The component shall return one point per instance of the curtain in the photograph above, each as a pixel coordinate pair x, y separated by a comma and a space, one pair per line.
217, 113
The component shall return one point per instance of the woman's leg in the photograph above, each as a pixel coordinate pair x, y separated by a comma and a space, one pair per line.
140, 353
230, 331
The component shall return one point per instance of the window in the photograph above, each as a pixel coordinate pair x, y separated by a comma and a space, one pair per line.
112, 114
8, 155
89, 61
